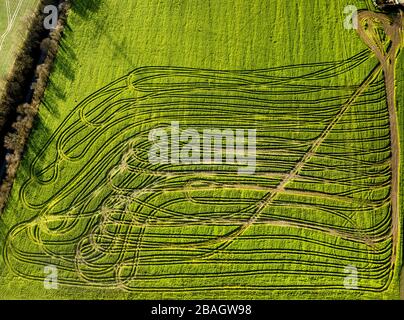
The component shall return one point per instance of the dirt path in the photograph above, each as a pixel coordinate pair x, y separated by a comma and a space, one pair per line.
367, 30
280, 188
393, 28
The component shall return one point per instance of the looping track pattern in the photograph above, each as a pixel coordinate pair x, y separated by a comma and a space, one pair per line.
319, 201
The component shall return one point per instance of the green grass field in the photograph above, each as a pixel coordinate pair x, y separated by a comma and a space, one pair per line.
13, 20
88, 201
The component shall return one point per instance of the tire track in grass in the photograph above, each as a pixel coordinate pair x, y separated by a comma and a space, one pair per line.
393, 27
10, 20
121, 240
268, 199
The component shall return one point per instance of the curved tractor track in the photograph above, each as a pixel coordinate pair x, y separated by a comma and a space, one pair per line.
393, 29
324, 195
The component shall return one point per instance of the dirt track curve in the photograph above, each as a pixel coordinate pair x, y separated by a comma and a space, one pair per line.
393, 29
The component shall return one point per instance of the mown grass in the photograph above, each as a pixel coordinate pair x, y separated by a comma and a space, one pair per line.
189, 248
14, 38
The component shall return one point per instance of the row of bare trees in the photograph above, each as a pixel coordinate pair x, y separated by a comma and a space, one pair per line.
13, 102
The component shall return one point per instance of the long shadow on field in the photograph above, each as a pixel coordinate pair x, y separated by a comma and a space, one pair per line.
34, 146
66, 58
50, 101
86, 8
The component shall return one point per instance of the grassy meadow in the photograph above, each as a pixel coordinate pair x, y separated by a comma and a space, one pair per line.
87, 201
12, 30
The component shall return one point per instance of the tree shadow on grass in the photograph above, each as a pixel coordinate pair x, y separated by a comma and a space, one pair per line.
64, 61
85, 8
50, 103
63, 64
34, 146
66, 56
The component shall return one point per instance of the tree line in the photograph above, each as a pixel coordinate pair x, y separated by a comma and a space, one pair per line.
15, 108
